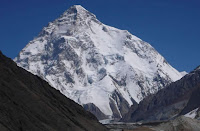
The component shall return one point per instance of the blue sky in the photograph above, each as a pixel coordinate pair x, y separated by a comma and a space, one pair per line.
172, 27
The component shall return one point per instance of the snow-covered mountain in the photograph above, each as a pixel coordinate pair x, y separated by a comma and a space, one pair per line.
98, 66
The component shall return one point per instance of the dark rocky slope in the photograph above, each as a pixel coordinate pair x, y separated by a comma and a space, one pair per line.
176, 99
29, 103
194, 101
94, 110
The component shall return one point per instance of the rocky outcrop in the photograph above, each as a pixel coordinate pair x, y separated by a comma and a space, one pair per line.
30, 103
95, 110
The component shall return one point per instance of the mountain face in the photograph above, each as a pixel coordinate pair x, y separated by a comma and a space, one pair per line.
193, 106
104, 69
179, 98
30, 103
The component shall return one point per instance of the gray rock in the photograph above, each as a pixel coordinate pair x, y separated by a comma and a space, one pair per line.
94, 110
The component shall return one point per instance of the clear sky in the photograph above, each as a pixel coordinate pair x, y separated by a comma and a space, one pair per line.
172, 27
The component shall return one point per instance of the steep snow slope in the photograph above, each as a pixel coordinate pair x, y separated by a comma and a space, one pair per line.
91, 62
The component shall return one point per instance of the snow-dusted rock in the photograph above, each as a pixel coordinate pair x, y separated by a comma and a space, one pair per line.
91, 62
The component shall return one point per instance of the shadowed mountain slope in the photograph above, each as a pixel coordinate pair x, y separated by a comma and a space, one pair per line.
176, 99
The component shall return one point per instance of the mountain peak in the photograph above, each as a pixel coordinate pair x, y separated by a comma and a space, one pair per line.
77, 7
72, 20
76, 15
78, 10
93, 63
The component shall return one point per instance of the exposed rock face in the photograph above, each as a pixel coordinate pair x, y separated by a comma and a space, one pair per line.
29, 103
95, 110
193, 103
176, 99
91, 62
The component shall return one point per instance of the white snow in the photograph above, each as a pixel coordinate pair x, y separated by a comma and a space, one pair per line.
192, 114
184, 73
83, 58
106, 121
